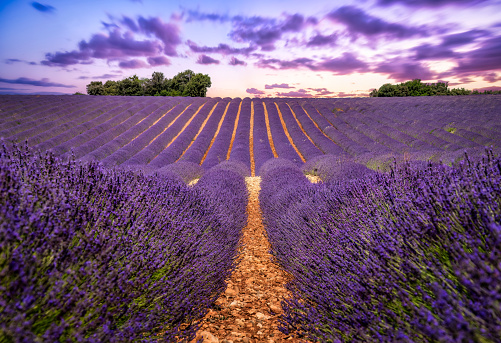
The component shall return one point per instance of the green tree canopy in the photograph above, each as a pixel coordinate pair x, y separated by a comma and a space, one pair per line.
417, 88
186, 83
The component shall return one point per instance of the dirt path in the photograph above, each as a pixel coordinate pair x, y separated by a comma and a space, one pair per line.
249, 309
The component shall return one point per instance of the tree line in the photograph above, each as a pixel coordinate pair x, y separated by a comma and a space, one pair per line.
186, 83
417, 88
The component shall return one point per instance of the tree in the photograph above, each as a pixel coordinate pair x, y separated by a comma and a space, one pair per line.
156, 84
95, 88
185, 83
111, 88
130, 86
197, 86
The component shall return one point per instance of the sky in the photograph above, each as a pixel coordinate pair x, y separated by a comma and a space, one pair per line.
258, 48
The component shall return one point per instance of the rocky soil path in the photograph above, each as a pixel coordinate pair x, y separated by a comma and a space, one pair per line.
249, 309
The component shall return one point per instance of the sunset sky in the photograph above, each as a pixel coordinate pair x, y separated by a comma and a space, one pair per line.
279, 48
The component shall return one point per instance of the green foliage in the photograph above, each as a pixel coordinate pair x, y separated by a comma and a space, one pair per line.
417, 88
95, 88
186, 83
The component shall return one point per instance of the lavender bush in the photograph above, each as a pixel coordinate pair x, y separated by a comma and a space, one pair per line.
410, 256
94, 255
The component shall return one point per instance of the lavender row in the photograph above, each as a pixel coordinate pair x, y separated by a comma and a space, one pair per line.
262, 148
219, 149
412, 255
106, 122
155, 142
61, 126
335, 169
326, 145
356, 136
124, 133
282, 144
40, 115
23, 107
60, 117
197, 150
301, 141
377, 136
95, 255
240, 150
174, 151
116, 137
138, 137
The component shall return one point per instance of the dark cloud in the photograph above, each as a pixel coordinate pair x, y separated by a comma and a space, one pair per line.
346, 95
484, 59
193, 15
158, 61
430, 3
265, 32
359, 23
104, 76
321, 91
40, 83
236, 62
133, 64
445, 49
275, 85
204, 59
301, 93
254, 91
43, 8
321, 40
492, 77
119, 45
343, 65
274, 63
346, 64
168, 33
224, 49
432, 52
403, 70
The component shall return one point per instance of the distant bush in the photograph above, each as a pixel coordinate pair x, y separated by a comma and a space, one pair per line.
417, 88
186, 83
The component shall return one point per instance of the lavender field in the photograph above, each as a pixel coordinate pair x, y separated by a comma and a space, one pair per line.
103, 237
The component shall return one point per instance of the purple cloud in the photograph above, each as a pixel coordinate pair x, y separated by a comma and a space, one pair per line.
264, 32
42, 8
403, 70
224, 49
40, 83
119, 45
485, 58
275, 85
133, 64
429, 3
346, 64
320, 40
235, 62
168, 33
359, 22
445, 50
158, 61
204, 59
492, 77
274, 63
104, 76
321, 91
301, 93
254, 91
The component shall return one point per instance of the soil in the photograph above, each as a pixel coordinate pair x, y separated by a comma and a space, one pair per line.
248, 310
